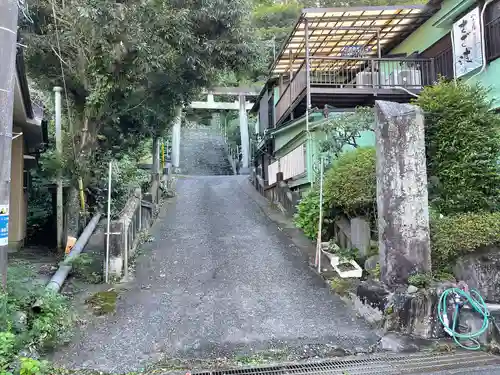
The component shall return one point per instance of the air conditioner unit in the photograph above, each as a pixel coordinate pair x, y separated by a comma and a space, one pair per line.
368, 79
411, 78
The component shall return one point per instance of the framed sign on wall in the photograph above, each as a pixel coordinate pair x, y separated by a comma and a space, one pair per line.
467, 43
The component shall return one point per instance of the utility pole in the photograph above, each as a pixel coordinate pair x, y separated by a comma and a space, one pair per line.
8, 42
59, 193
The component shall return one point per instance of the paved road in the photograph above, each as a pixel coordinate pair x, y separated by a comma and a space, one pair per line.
219, 279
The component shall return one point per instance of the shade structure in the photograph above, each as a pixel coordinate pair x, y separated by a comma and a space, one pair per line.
347, 32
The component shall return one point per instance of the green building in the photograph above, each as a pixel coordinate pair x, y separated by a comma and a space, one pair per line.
354, 56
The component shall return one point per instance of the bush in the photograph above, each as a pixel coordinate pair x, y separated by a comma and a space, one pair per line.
459, 234
21, 327
307, 215
463, 148
351, 183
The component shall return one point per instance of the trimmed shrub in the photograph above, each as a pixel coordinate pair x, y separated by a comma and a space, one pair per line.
459, 234
351, 184
462, 146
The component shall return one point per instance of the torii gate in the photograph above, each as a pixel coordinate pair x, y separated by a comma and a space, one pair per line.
241, 105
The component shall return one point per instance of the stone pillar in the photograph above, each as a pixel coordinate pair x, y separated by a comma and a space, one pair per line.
403, 212
360, 235
245, 141
214, 121
176, 139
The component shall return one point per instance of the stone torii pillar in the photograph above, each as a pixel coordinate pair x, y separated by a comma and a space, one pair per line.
245, 140
402, 201
176, 139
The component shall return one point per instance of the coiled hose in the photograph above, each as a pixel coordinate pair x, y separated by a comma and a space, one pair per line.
477, 304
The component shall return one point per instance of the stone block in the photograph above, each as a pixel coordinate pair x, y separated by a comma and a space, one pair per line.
116, 246
481, 271
402, 201
360, 235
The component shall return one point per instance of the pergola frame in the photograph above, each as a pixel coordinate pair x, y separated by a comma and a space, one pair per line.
321, 36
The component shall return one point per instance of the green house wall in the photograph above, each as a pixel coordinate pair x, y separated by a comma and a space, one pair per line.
440, 25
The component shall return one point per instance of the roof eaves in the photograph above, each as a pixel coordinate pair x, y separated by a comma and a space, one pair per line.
23, 83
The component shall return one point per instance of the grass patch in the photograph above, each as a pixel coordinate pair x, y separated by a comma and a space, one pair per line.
103, 302
340, 286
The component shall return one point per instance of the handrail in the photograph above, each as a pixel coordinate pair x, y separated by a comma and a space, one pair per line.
290, 83
368, 59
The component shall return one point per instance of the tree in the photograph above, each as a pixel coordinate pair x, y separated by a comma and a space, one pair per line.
127, 64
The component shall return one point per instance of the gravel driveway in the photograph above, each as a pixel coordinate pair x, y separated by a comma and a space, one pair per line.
220, 279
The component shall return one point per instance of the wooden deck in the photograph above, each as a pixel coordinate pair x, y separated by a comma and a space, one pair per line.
352, 82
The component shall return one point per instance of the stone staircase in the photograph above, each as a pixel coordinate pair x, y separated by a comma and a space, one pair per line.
203, 152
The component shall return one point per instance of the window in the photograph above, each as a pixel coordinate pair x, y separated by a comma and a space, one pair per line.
442, 53
492, 30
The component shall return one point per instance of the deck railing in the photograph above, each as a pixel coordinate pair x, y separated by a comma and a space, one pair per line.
362, 73
444, 64
366, 73
493, 39
291, 92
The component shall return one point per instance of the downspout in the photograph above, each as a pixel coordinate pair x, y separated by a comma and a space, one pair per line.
57, 280
483, 39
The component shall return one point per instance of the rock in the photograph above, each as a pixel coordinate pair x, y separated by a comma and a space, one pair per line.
371, 263
481, 271
373, 293
397, 343
416, 314
20, 321
411, 289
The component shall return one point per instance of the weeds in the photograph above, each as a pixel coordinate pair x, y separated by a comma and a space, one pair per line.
24, 328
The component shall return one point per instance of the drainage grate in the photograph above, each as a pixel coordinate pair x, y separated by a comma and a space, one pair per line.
419, 363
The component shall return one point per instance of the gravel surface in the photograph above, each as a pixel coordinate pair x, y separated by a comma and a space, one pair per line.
219, 280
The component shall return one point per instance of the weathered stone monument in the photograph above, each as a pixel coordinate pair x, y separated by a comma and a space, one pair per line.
402, 202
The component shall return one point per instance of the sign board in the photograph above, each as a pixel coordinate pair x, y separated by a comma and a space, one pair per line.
355, 51
4, 225
467, 43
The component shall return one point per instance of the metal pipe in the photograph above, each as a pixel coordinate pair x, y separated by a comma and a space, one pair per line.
59, 192
483, 39
106, 274
61, 274
379, 52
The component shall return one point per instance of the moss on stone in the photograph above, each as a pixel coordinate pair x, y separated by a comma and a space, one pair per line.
103, 302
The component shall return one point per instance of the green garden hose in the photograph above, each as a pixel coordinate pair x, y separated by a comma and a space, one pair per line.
461, 297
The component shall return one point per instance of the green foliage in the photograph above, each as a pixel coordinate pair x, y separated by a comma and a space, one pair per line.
127, 65
343, 253
420, 280
452, 236
307, 216
344, 129
7, 345
350, 184
50, 326
31, 366
84, 267
376, 271
463, 148
341, 286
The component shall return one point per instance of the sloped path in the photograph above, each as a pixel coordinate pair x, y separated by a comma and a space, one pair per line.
220, 278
